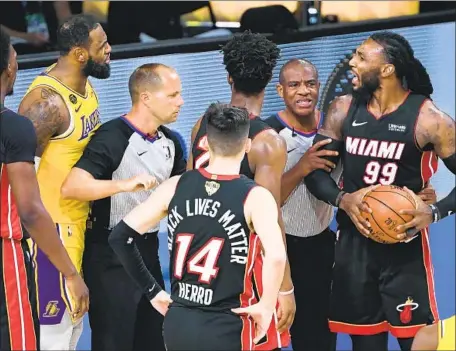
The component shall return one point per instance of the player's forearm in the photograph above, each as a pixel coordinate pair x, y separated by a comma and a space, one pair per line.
43, 231
122, 241
290, 180
287, 283
274, 264
323, 187
90, 189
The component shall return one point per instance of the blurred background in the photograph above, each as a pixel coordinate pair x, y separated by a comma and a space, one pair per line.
188, 34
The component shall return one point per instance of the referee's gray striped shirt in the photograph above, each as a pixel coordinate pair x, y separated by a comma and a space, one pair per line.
302, 213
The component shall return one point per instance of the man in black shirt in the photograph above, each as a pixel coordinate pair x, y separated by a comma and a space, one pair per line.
125, 160
20, 202
216, 221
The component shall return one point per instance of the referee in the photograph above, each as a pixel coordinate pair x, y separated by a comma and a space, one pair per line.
120, 167
310, 242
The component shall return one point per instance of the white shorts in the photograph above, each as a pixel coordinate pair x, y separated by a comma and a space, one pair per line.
62, 336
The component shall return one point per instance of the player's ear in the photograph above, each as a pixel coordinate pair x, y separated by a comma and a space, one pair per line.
248, 145
279, 89
388, 70
229, 80
81, 55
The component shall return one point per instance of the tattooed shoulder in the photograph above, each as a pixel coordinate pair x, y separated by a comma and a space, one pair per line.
47, 111
334, 118
437, 128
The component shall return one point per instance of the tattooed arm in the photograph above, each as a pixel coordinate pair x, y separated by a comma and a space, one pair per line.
48, 113
438, 129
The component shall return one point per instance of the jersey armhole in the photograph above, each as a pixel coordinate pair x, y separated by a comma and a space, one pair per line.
249, 192
425, 147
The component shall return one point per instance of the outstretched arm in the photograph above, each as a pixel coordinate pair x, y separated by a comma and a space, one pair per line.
262, 209
269, 155
48, 113
137, 222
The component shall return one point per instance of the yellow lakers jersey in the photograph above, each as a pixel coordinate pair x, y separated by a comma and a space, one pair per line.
64, 150
447, 336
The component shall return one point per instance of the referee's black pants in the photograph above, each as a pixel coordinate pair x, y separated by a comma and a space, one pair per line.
311, 262
121, 318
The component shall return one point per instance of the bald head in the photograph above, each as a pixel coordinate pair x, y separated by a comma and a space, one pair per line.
148, 77
293, 63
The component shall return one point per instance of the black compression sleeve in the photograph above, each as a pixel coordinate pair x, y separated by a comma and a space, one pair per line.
319, 182
122, 241
447, 205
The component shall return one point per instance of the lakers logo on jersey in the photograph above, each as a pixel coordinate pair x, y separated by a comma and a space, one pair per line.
88, 124
52, 309
211, 187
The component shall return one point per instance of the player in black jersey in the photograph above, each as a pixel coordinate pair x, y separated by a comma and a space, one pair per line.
216, 222
387, 133
249, 60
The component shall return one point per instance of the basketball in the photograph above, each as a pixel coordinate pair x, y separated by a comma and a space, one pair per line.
385, 202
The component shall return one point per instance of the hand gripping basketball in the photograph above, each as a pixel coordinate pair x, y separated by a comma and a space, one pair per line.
387, 203
354, 205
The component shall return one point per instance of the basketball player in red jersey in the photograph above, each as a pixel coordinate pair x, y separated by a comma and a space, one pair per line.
249, 60
389, 133
20, 201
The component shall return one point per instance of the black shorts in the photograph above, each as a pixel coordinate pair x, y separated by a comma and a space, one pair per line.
379, 287
121, 318
19, 323
194, 329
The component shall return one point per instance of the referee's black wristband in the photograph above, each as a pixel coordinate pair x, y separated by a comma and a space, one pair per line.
122, 241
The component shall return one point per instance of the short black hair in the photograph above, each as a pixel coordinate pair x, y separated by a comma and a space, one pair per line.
398, 52
249, 60
227, 128
146, 74
295, 61
75, 32
5, 42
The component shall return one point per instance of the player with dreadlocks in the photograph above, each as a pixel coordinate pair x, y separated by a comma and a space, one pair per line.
389, 131
249, 60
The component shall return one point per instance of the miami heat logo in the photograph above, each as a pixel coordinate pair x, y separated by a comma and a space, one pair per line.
405, 310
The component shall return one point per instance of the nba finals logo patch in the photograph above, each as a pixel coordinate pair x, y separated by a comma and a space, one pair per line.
405, 310
211, 187
51, 309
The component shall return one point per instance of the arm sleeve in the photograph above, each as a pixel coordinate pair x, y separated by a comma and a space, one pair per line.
122, 241
103, 153
319, 182
180, 162
20, 141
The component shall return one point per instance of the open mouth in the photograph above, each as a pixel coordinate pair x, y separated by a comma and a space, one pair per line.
355, 79
304, 103
108, 60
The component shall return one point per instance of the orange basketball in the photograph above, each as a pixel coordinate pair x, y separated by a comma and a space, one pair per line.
385, 202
